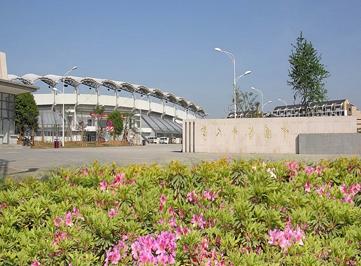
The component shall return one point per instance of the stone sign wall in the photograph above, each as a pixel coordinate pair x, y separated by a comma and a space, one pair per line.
258, 135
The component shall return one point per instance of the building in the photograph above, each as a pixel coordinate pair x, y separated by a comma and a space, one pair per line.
341, 107
8, 90
150, 112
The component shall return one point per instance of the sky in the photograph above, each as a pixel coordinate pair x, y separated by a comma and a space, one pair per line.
170, 44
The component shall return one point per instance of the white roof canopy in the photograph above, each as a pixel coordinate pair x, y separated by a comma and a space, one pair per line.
74, 81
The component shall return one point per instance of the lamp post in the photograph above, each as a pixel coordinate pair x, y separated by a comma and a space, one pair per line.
55, 92
66, 73
282, 101
265, 105
261, 93
235, 79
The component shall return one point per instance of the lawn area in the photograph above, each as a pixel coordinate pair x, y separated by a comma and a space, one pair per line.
214, 213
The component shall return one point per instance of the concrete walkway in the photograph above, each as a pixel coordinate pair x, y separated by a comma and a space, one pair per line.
20, 161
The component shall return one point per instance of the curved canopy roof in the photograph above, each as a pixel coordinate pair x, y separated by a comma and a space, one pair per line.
73, 81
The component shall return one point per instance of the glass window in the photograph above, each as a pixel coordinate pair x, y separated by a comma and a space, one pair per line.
12, 114
5, 113
12, 127
6, 97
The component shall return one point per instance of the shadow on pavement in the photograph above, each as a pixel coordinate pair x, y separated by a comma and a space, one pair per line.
30, 170
3, 168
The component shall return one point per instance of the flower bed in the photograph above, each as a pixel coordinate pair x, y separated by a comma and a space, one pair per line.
215, 213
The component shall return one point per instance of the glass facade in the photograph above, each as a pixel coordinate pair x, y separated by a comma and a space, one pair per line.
7, 115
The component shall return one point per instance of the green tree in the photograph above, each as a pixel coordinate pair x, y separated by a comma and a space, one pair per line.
246, 103
99, 111
117, 121
26, 113
307, 73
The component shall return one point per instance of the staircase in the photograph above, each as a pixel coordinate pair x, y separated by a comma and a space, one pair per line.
135, 137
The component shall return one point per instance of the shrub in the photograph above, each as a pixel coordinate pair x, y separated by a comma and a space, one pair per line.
215, 213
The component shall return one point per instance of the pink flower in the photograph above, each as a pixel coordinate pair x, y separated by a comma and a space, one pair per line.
68, 219
319, 170
103, 185
349, 192
35, 263
309, 170
343, 188
307, 187
116, 253
192, 197
209, 195
85, 171
274, 236
113, 256
286, 238
321, 190
172, 222
58, 221
293, 168
118, 180
158, 250
181, 231
162, 201
76, 213
112, 213
298, 235
59, 236
171, 211
198, 220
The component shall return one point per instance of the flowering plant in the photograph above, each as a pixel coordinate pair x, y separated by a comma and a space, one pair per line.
214, 213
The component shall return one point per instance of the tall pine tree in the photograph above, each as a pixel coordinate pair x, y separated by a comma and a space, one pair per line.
307, 74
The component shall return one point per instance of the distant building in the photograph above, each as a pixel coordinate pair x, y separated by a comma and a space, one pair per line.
328, 108
8, 90
150, 112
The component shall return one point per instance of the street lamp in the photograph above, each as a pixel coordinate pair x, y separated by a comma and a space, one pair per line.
244, 74
66, 73
235, 79
282, 101
265, 105
261, 93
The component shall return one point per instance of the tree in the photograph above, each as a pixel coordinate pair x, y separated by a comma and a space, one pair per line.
26, 114
306, 73
99, 111
246, 103
117, 122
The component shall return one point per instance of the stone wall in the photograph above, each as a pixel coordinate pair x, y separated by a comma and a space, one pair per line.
330, 143
258, 135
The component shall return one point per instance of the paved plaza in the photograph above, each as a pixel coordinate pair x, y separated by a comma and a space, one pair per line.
21, 161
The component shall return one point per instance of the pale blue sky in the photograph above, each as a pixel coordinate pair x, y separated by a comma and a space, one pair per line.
169, 44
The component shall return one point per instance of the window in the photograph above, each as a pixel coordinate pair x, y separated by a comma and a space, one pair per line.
7, 112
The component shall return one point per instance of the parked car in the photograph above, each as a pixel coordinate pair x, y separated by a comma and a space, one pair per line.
176, 140
163, 140
153, 140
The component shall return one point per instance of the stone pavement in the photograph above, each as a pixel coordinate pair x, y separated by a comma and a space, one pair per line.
21, 161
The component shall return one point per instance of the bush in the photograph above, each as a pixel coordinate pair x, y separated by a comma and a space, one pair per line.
215, 213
